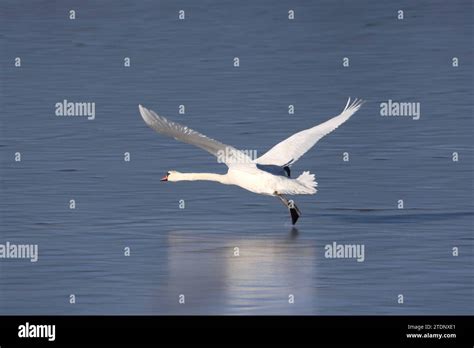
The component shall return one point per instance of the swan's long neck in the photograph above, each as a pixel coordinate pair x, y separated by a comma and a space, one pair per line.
199, 176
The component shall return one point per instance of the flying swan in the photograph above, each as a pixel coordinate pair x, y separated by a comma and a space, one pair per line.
267, 175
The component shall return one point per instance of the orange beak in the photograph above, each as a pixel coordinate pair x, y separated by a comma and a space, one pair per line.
165, 178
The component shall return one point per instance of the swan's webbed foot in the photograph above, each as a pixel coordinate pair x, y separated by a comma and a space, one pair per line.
294, 211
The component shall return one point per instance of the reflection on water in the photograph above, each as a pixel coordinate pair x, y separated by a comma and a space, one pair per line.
253, 274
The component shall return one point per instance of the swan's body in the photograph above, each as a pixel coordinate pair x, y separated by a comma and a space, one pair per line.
267, 175
251, 179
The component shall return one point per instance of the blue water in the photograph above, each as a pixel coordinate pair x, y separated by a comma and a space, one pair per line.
190, 251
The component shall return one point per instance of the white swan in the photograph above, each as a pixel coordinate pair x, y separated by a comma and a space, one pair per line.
267, 175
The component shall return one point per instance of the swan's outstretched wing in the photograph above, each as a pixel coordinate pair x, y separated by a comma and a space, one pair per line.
224, 153
290, 150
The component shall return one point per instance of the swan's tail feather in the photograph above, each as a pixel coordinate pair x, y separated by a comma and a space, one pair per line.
308, 180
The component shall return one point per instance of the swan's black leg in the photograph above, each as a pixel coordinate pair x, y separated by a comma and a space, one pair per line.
294, 211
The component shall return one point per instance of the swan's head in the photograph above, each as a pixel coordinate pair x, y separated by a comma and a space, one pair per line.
172, 175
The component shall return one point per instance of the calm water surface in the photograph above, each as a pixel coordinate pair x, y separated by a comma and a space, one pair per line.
191, 251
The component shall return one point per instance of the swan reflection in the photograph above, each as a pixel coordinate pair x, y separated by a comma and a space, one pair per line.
229, 273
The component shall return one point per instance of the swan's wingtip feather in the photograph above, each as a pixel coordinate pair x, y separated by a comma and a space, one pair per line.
145, 113
347, 104
356, 104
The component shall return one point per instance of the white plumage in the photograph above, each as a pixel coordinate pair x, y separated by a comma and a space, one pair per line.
290, 150
268, 174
